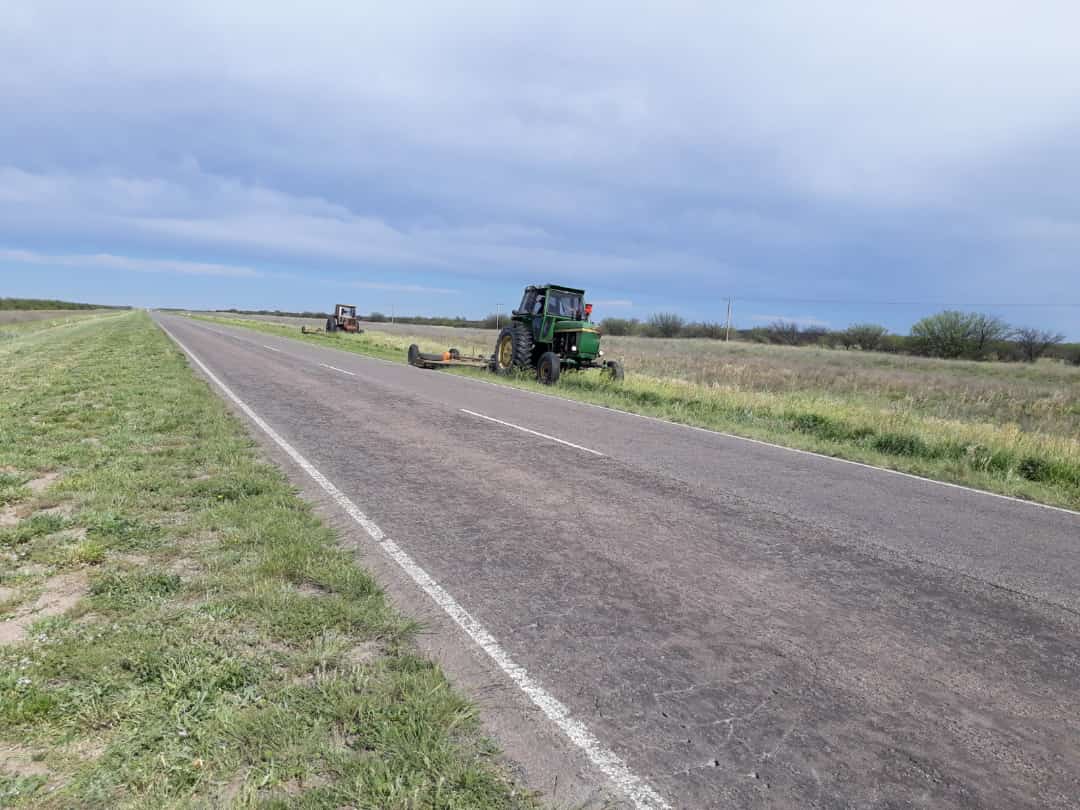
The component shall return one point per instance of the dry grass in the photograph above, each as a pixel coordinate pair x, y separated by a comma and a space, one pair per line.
24, 315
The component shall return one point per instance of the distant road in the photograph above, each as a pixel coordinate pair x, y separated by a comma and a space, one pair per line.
742, 625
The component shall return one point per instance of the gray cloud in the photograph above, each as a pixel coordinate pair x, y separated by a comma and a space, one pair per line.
111, 262
844, 149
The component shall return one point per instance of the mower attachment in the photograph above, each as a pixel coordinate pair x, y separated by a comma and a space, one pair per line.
451, 357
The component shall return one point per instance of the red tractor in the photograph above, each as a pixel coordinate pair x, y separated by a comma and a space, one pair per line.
344, 318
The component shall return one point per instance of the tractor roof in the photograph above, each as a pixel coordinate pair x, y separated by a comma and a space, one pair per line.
560, 287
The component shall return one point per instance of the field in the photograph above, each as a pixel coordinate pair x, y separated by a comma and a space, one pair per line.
177, 628
19, 321
1005, 427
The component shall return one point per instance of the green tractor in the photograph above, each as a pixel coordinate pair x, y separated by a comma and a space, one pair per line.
549, 332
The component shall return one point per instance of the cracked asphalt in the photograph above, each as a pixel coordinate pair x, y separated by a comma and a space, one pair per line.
745, 626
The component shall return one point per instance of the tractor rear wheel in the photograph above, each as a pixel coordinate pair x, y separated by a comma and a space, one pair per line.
547, 370
513, 349
331, 324
414, 355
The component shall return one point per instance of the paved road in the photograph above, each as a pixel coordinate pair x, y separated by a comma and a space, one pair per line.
743, 625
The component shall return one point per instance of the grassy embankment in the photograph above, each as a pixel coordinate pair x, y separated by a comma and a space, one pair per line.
1007, 428
177, 628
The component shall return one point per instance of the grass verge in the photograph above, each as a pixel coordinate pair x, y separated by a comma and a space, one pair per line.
177, 628
1000, 458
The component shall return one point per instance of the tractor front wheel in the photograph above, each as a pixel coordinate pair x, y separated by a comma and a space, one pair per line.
614, 369
547, 370
513, 349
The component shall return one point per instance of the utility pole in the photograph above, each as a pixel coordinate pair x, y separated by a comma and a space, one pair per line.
498, 315
393, 313
727, 332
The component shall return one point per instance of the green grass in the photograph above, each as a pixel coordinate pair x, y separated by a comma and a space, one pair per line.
216, 648
886, 420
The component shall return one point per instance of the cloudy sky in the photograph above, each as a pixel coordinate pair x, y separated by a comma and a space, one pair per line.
824, 162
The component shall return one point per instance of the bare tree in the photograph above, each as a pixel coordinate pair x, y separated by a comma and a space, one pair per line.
985, 329
786, 332
1033, 342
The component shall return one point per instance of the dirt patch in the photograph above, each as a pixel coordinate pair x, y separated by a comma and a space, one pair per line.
18, 761
362, 653
32, 570
7, 594
42, 483
62, 509
61, 593
8, 516
88, 750
73, 535
310, 589
185, 568
135, 560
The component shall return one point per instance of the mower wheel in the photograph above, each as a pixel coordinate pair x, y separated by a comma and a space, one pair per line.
414, 355
513, 349
614, 369
547, 370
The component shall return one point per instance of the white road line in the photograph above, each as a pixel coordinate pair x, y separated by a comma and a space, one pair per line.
710, 431
608, 762
761, 442
533, 432
335, 368
271, 348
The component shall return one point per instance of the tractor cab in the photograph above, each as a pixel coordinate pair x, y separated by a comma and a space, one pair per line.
551, 309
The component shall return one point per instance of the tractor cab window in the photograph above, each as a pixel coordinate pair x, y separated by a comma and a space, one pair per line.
529, 302
565, 304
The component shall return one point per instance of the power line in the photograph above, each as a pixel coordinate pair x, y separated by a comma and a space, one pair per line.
855, 302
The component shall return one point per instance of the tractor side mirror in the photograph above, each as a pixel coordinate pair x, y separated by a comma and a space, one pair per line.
588, 311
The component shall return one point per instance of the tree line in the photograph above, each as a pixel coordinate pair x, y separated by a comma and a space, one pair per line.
47, 303
949, 334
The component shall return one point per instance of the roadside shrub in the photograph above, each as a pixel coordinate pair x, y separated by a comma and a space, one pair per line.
620, 326
704, 329
901, 444
951, 334
865, 336
666, 324
821, 426
1034, 468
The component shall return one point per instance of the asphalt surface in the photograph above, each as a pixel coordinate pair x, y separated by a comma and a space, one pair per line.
745, 626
